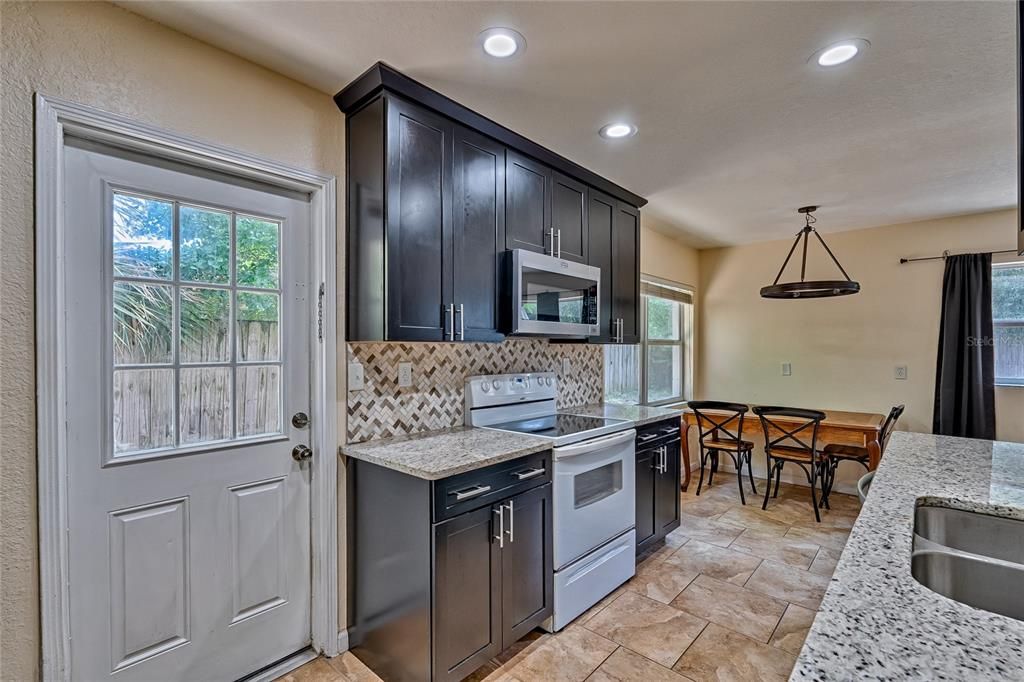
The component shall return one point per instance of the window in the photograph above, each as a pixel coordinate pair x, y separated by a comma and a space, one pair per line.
196, 311
659, 369
1008, 321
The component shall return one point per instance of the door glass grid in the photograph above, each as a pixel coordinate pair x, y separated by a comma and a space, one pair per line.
196, 324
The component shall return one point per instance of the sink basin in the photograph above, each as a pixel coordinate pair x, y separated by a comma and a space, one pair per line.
989, 585
990, 536
973, 558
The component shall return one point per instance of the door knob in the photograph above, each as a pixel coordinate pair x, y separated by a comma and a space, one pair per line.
300, 453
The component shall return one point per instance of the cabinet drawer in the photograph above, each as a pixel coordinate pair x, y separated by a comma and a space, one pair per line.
658, 434
473, 489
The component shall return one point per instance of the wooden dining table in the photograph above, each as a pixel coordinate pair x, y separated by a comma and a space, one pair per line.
863, 429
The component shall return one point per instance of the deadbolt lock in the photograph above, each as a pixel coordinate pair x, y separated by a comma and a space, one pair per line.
300, 420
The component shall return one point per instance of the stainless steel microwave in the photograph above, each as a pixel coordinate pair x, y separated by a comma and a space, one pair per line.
548, 296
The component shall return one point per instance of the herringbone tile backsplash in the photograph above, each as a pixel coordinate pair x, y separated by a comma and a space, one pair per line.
435, 400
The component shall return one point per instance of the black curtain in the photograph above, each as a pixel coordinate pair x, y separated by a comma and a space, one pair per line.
965, 376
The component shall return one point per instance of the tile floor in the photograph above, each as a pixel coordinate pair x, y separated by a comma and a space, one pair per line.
730, 596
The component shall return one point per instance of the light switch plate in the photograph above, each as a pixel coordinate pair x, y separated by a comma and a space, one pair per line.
566, 367
787, 369
900, 372
404, 374
355, 376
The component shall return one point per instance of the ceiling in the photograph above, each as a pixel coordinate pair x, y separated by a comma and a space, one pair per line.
736, 129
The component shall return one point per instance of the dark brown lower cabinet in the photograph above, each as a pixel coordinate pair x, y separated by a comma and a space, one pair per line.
657, 482
446, 574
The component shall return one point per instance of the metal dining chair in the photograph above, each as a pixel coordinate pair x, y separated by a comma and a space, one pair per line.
792, 446
723, 433
834, 453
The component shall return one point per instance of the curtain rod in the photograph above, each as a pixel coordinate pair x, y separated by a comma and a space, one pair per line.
945, 254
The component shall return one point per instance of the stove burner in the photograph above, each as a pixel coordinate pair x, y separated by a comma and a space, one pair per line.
556, 425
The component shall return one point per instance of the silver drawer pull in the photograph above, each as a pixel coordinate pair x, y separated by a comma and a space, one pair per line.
646, 437
528, 474
470, 493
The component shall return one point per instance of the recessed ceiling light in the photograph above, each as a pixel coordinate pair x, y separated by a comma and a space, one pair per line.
502, 42
839, 53
614, 130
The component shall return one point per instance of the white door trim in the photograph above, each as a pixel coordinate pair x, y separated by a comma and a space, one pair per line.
54, 119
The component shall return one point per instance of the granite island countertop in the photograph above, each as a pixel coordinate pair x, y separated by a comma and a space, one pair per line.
876, 621
433, 455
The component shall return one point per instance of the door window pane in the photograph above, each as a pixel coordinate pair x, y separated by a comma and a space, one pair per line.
204, 397
664, 373
205, 245
142, 237
1008, 316
143, 409
205, 325
258, 252
257, 327
143, 323
259, 408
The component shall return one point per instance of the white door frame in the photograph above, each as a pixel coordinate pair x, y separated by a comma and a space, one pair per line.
54, 119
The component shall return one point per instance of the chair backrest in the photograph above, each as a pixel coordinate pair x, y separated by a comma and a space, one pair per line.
730, 423
792, 435
890, 424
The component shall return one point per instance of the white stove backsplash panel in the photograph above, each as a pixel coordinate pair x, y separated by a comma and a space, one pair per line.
435, 399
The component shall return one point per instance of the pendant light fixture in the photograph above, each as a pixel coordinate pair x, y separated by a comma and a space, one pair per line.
809, 288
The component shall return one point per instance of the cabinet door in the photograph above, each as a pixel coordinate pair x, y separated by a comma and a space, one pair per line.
666, 492
419, 181
626, 271
478, 234
600, 220
645, 463
569, 217
528, 201
527, 570
467, 608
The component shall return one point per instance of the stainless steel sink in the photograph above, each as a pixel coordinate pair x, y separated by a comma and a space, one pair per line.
971, 532
973, 558
990, 585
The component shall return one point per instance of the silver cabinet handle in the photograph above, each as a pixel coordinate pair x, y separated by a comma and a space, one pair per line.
527, 474
500, 537
551, 240
462, 322
470, 493
511, 523
559, 233
449, 331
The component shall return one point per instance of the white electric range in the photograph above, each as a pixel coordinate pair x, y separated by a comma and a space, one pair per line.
593, 491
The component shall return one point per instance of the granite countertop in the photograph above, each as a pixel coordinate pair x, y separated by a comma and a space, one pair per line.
434, 455
876, 621
638, 414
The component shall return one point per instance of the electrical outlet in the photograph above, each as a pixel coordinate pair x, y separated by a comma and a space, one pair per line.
787, 369
900, 372
566, 367
355, 376
404, 374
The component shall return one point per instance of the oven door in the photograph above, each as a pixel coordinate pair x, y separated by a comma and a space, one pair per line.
554, 297
594, 493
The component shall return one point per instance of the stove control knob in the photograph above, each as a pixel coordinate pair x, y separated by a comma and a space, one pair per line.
485, 387
496, 384
548, 381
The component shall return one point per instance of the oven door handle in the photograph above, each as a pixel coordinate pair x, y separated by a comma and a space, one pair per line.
595, 445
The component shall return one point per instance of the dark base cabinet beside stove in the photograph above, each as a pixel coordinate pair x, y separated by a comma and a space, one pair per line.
657, 482
444, 575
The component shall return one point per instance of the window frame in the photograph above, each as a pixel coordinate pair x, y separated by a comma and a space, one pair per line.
1014, 382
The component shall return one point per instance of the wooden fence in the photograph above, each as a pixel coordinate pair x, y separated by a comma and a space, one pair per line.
144, 398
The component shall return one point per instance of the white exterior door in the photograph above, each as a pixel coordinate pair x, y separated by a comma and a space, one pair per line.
189, 327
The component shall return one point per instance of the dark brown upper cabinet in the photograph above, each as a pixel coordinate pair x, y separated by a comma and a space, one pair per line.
613, 245
528, 216
478, 235
569, 217
436, 193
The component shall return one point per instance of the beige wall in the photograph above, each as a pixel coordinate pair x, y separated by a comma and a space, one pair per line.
843, 350
103, 56
665, 256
